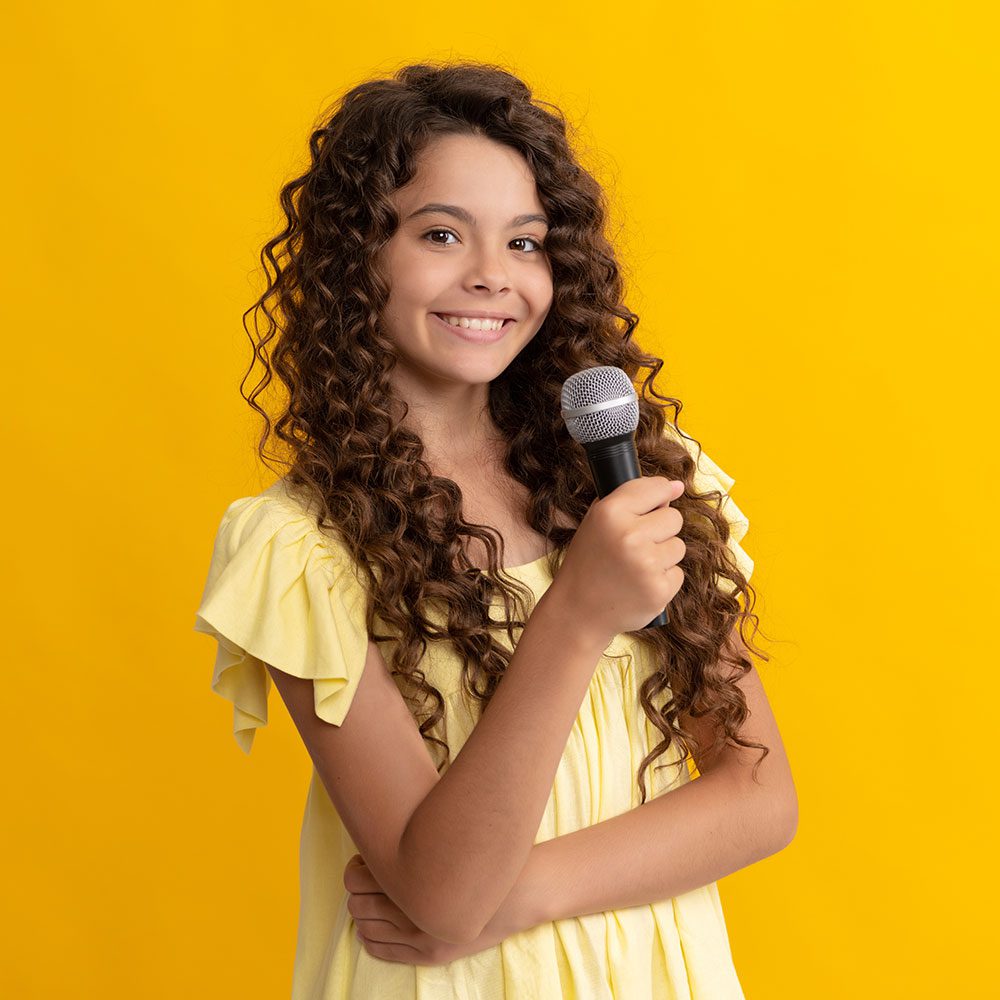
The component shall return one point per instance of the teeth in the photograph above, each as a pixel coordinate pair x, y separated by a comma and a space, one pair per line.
472, 324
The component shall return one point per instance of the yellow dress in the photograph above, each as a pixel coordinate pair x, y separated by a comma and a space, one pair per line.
280, 591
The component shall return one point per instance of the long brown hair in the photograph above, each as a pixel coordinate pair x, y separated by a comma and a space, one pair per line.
341, 426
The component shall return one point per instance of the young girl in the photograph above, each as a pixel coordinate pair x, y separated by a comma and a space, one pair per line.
436, 547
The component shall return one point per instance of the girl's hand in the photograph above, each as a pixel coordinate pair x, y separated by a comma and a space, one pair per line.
387, 933
622, 567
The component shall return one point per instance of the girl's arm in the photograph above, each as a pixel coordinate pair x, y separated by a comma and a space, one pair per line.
676, 842
722, 821
679, 841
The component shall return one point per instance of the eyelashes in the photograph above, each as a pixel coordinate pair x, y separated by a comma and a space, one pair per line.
530, 239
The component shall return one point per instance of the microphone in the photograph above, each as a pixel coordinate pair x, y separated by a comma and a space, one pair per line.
601, 410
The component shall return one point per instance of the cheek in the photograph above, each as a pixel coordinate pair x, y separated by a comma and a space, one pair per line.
542, 291
542, 303
419, 282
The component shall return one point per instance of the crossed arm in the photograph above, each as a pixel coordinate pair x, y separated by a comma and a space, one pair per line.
681, 840
708, 828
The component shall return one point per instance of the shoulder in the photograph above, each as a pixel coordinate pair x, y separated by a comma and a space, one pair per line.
278, 519
282, 592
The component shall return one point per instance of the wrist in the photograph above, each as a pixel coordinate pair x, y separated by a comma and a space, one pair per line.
563, 615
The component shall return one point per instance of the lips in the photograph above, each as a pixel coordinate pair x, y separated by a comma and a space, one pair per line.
475, 336
440, 316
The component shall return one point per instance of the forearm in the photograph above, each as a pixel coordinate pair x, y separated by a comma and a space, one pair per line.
676, 842
471, 836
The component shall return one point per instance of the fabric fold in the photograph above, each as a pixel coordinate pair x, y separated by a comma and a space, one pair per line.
282, 592
709, 476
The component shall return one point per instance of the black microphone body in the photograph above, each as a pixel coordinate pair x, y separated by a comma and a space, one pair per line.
614, 461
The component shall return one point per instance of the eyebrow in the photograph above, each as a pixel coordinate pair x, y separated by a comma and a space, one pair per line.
435, 208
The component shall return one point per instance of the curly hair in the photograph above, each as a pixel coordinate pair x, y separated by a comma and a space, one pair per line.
341, 436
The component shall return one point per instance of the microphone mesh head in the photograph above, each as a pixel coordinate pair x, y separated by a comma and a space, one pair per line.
599, 403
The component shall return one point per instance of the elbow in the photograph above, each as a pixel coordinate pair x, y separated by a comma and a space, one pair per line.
467, 924
446, 925
437, 911
435, 905
793, 825
785, 812
455, 923
458, 935
787, 820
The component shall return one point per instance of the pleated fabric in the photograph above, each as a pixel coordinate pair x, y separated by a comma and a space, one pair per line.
281, 591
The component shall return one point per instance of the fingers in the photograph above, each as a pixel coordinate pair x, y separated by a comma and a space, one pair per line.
372, 908
646, 493
358, 877
667, 523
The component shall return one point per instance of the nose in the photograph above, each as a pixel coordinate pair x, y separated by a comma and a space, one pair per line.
488, 269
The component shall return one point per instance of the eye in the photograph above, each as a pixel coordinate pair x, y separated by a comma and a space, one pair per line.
530, 239
519, 239
433, 231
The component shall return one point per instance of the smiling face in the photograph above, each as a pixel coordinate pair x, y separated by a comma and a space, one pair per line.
480, 254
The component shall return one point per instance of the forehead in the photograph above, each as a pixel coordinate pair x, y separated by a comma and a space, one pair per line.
480, 174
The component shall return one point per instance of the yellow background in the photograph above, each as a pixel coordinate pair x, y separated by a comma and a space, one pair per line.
808, 200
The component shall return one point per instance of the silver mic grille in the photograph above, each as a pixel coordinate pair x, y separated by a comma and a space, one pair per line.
599, 403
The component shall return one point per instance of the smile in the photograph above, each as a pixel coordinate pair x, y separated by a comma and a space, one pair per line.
473, 335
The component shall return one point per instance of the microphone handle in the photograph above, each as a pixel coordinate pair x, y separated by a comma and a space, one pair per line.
614, 461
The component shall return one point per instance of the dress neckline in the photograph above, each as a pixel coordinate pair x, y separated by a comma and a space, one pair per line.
524, 567
534, 562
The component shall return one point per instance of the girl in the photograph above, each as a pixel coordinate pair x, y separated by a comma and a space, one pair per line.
436, 547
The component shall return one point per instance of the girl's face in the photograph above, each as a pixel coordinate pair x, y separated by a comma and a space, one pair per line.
469, 241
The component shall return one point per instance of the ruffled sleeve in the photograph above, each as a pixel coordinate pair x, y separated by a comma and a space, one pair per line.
709, 476
280, 591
